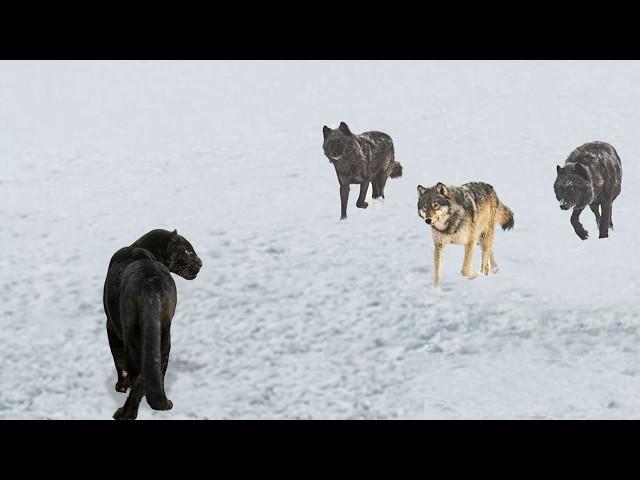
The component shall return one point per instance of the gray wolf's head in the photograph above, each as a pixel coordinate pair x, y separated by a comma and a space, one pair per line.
434, 203
183, 259
572, 187
338, 143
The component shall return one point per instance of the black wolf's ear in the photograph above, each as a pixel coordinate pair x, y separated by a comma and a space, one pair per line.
344, 129
442, 189
326, 131
581, 171
559, 169
174, 235
421, 190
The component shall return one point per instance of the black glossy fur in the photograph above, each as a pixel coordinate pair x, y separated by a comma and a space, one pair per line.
139, 300
360, 159
592, 175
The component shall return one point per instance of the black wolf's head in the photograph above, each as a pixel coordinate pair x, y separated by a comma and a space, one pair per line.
573, 187
338, 143
433, 204
182, 258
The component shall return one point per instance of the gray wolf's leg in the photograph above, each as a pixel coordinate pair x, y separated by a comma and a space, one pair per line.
468, 257
486, 244
577, 226
437, 264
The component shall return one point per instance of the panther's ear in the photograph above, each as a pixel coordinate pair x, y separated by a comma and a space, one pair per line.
581, 171
559, 169
326, 131
344, 129
421, 190
442, 189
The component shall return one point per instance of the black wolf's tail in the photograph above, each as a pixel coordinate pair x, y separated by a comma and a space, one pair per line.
396, 170
149, 315
505, 216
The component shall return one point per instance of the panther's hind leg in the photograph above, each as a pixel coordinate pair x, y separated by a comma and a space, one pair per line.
166, 350
119, 359
129, 411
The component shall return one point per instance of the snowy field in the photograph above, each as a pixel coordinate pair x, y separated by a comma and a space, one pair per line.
295, 314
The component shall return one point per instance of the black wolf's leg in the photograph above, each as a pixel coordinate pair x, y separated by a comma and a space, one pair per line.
595, 208
344, 198
376, 188
382, 180
577, 226
605, 220
119, 359
363, 193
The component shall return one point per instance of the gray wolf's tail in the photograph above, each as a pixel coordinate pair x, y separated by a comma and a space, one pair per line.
396, 170
149, 315
505, 216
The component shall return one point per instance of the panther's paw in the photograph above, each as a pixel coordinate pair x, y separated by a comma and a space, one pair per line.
122, 414
124, 382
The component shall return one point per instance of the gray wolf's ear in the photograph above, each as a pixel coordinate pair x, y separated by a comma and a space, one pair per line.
326, 131
344, 129
442, 189
421, 190
559, 169
581, 171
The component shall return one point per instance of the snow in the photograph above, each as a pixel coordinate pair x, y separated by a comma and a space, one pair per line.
296, 314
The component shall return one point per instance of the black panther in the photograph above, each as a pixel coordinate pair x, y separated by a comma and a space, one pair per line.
140, 299
360, 159
592, 175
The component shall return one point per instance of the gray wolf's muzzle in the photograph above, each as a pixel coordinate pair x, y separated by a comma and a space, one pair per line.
427, 221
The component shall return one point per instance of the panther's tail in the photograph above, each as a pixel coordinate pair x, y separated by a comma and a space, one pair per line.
149, 311
504, 216
396, 170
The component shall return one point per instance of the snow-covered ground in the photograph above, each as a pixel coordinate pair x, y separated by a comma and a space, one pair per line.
295, 314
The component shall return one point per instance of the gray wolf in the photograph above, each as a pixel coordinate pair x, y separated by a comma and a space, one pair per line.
465, 215
139, 300
360, 159
592, 175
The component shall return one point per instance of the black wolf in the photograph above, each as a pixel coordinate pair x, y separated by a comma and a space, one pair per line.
360, 159
140, 300
592, 175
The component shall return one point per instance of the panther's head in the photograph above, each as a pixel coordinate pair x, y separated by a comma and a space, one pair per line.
182, 258
338, 143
